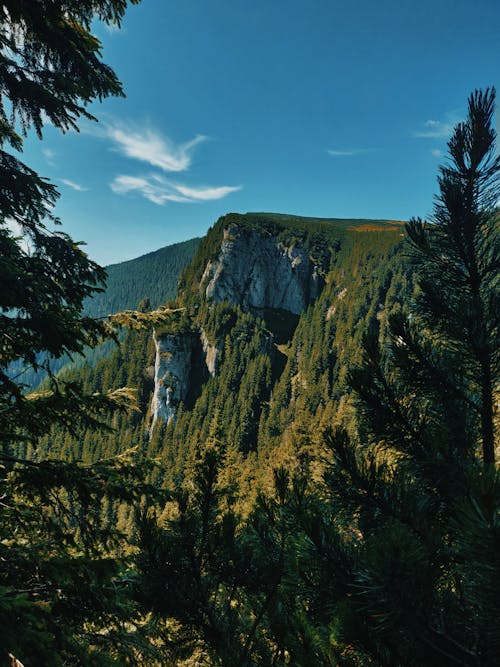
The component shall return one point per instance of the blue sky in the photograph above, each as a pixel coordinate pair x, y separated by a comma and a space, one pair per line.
324, 108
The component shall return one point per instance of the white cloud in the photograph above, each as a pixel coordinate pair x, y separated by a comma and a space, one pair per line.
348, 153
73, 185
152, 191
206, 194
160, 191
149, 146
436, 152
437, 129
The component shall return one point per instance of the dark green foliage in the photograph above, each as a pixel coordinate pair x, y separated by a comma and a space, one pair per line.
62, 582
460, 263
66, 598
227, 583
50, 67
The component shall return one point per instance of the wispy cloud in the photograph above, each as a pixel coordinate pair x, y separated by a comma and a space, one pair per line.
156, 149
349, 152
73, 185
437, 152
160, 191
49, 155
437, 129
205, 193
148, 145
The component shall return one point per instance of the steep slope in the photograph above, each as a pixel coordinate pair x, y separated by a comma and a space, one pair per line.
258, 272
268, 265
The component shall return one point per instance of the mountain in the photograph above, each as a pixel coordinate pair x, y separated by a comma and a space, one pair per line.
273, 311
287, 513
293, 463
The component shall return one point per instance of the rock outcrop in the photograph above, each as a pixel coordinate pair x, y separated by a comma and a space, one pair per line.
257, 272
173, 364
253, 270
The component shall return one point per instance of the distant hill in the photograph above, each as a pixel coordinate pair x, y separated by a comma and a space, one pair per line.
153, 275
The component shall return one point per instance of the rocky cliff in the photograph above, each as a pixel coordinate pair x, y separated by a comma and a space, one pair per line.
173, 362
251, 269
256, 271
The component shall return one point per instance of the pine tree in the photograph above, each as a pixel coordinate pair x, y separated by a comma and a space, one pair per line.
410, 524
458, 260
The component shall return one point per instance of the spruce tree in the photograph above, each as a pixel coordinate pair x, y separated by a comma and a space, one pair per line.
50, 70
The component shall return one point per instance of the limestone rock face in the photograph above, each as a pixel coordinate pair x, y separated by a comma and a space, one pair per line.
172, 374
257, 272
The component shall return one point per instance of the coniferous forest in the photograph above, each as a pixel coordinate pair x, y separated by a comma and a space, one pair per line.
275, 445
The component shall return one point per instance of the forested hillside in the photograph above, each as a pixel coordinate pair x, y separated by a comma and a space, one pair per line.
283, 437
153, 276
275, 374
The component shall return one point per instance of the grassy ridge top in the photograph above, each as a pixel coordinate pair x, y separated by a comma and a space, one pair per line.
302, 226
339, 223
